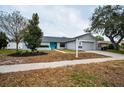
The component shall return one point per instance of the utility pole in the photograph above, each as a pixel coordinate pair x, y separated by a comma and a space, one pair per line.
76, 48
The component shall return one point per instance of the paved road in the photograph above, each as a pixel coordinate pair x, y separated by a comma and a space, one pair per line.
33, 66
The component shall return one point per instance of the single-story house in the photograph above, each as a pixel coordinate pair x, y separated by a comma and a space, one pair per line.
85, 42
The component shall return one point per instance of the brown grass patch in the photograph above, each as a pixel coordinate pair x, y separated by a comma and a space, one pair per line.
50, 56
95, 74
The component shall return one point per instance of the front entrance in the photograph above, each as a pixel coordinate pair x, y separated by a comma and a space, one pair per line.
53, 45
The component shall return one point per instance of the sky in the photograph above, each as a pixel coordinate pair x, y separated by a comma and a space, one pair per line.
57, 20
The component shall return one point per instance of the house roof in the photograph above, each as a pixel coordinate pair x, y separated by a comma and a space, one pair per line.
55, 39
61, 39
47, 39
73, 39
84, 35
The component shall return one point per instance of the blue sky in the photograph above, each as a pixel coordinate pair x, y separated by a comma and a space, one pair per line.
67, 21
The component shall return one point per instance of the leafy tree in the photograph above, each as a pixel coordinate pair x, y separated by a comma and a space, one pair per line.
3, 40
109, 21
99, 38
33, 36
13, 24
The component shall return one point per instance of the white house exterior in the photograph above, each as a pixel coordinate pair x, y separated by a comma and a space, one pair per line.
85, 42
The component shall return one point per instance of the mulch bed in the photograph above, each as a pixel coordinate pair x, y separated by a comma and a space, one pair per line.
27, 54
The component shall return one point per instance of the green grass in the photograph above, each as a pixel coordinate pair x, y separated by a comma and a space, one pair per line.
116, 51
9, 51
70, 51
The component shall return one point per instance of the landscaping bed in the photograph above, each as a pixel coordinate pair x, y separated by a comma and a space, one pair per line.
95, 74
27, 54
43, 56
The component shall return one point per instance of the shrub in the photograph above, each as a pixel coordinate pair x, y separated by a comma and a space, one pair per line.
110, 46
104, 48
3, 40
19, 53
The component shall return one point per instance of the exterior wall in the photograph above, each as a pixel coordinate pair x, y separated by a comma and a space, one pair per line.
89, 42
12, 45
87, 37
71, 45
86, 42
58, 45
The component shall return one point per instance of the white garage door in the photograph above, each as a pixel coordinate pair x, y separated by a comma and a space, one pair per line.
86, 46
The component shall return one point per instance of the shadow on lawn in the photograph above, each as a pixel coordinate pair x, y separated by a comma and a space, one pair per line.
27, 54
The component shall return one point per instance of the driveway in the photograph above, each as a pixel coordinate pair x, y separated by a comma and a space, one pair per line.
113, 55
34, 66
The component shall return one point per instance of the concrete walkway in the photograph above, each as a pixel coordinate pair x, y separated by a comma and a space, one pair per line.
59, 51
34, 66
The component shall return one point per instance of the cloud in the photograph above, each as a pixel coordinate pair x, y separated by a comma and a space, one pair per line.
57, 20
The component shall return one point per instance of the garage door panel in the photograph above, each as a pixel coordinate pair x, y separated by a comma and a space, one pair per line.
87, 46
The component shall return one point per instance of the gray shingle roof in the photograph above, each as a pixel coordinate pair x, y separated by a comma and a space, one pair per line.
48, 39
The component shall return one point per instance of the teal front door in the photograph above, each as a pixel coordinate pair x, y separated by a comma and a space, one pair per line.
53, 45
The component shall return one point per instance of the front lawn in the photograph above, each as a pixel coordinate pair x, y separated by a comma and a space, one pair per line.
45, 56
95, 74
7, 51
71, 51
116, 51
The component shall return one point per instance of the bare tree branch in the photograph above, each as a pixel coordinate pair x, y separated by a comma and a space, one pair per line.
13, 24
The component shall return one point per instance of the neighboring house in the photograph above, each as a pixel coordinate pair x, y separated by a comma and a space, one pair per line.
106, 43
86, 42
102, 44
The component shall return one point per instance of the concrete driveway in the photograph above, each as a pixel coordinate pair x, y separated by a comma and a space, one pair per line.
34, 66
113, 55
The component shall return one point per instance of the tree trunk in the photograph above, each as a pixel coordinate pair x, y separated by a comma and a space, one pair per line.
17, 46
116, 46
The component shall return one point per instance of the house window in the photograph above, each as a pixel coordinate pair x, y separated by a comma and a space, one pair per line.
62, 44
44, 46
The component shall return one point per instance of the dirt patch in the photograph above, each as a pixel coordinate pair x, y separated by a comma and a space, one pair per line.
95, 74
49, 56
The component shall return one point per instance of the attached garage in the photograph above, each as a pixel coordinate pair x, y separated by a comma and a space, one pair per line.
85, 42
86, 46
